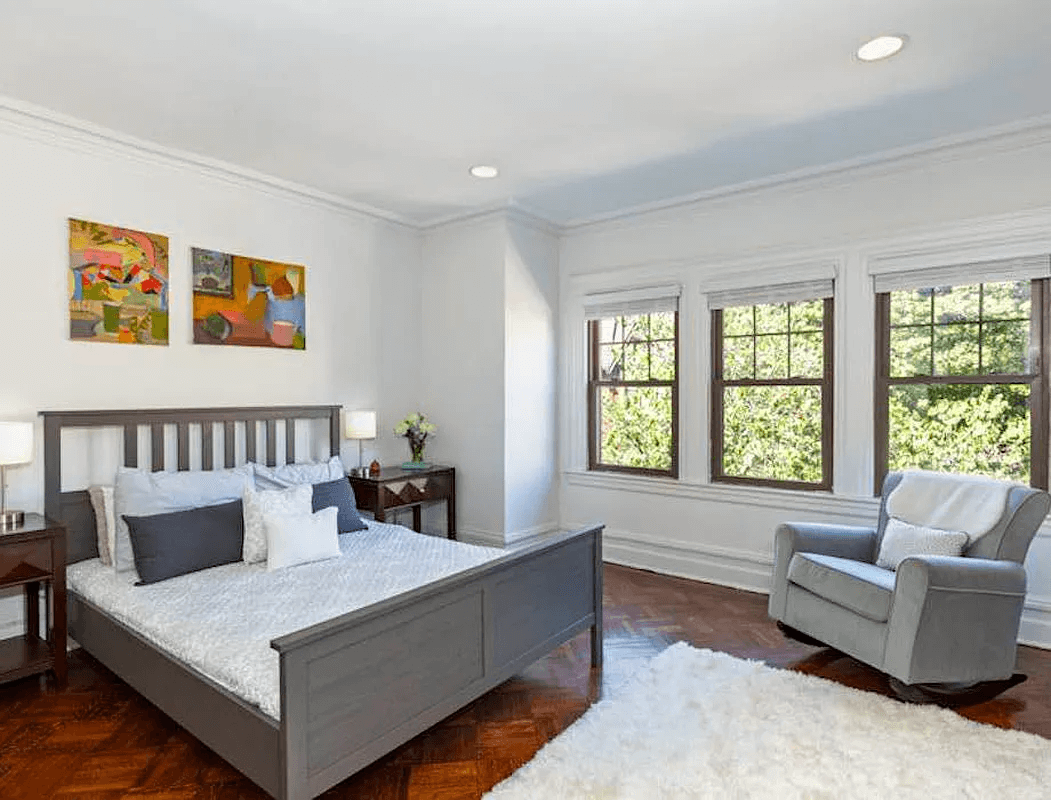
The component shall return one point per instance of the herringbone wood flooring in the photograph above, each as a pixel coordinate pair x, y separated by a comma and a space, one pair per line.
98, 739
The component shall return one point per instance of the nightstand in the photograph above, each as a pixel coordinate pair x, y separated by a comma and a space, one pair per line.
396, 488
31, 555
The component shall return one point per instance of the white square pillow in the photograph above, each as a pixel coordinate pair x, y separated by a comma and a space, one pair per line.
901, 540
301, 538
139, 493
105, 521
295, 500
293, 474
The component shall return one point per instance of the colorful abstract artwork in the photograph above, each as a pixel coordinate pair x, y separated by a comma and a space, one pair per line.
118, 284
248, 301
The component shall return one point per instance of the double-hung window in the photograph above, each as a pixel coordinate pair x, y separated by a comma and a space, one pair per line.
961, 384
633, 381
772, 386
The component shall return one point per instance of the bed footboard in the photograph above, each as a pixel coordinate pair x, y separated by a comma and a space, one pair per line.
356, 687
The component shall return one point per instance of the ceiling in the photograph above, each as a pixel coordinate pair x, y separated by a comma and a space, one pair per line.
588, 107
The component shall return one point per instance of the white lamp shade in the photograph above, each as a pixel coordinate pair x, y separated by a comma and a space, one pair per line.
16, 442
361, 424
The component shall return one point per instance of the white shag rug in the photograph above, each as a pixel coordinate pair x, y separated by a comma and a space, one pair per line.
700, 724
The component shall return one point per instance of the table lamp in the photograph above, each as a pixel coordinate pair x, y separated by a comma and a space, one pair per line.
16, 447
361, 425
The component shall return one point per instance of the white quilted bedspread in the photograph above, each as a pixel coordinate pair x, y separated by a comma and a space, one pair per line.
221, 620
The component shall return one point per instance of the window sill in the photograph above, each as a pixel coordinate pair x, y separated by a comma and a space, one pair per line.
863, 509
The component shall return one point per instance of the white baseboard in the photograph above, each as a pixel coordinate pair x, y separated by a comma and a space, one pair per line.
740, 569
509, 539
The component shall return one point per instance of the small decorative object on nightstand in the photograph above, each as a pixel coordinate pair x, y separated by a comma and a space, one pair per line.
407, 488
16, 447
360, 425
31, 555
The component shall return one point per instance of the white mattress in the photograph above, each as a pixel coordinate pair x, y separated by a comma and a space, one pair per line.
221, 620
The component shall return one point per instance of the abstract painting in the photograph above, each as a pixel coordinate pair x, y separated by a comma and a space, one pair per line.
118, 284
248, 301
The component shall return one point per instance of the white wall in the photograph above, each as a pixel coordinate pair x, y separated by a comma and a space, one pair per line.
362, 323
531, 380
462, 365
966, 203
489, 370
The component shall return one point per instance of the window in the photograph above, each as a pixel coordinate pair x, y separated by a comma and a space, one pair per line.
633, 385
772, 387
959, 384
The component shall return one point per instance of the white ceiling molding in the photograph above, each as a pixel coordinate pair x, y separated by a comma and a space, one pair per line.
48, 126
1001, 138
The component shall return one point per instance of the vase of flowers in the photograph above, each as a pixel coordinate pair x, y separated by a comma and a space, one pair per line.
416, 429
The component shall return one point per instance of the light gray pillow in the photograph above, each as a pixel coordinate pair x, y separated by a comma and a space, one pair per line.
902, 539
294, 474
295, 500
139, 493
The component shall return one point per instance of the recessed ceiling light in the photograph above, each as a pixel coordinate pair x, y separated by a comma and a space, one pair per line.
881, 47
484, 171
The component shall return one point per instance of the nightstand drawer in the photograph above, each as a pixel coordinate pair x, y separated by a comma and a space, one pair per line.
416, 490
25, 561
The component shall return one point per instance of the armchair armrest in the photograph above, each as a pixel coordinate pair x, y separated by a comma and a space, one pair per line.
954, 615
845, 541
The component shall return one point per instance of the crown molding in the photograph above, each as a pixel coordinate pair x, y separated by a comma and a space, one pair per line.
986, 141
52, 127
510, 209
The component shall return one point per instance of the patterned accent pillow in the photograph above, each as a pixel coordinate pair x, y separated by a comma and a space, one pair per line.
105, 522
901, 540
260, 504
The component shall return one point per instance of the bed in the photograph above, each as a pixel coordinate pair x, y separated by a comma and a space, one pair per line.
341, 704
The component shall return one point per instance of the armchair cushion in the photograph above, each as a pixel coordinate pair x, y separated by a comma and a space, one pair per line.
863, 588
902, 539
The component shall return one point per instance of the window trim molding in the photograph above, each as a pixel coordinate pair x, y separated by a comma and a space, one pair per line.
826, 382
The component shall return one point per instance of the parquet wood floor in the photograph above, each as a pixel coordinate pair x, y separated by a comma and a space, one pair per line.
98, 739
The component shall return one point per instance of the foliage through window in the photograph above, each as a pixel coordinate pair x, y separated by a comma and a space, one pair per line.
772, 394
958, 387
633, 393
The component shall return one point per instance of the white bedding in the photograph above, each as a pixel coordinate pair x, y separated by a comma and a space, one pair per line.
221, 620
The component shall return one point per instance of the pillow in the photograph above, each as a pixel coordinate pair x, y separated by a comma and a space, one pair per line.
166, 545
292, 474
301, 538
257, 505
902, 539
339, 494
105, 521
140, 493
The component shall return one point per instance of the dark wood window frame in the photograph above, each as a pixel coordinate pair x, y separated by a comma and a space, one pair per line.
595, 385
1040, 347
720, 384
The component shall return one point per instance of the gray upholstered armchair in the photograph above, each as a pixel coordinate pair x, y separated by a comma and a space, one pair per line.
945, 620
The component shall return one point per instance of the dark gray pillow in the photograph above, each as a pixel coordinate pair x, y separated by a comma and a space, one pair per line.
166, 545
339, 494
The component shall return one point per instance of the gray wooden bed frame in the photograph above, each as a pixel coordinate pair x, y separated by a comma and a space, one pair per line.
354, 687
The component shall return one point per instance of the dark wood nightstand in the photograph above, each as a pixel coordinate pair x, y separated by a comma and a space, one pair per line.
396, 488
32, 554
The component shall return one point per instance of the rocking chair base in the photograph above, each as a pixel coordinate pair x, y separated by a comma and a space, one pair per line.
953, 695
798, 636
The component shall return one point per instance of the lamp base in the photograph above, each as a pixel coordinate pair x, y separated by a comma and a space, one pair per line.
12, 519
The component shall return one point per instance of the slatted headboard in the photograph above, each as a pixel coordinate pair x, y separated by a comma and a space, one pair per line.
74, 507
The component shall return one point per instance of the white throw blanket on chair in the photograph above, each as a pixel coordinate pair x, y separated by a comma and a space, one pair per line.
951, 502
